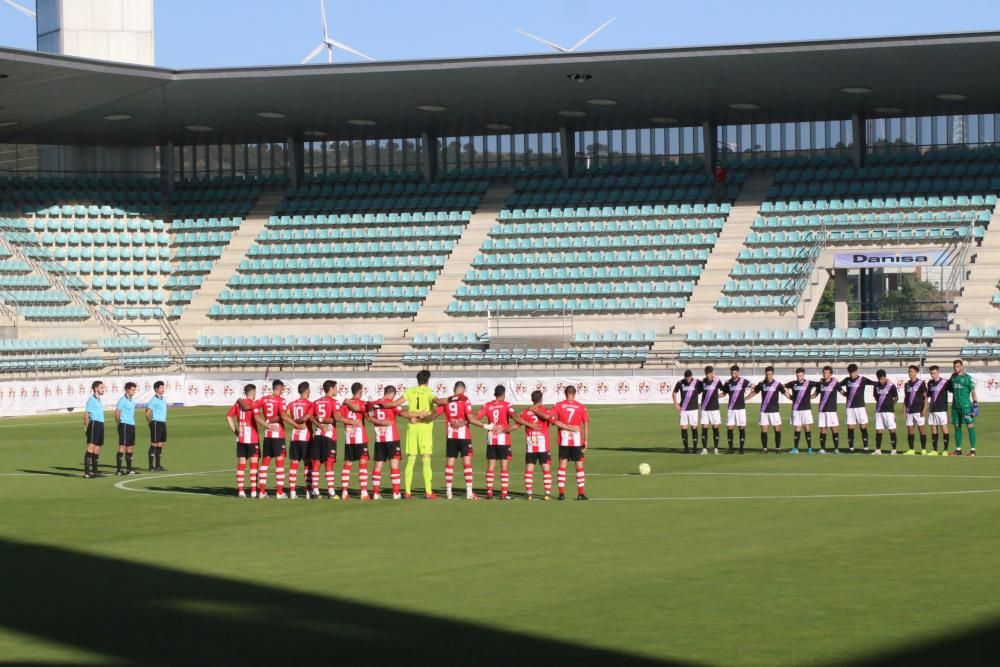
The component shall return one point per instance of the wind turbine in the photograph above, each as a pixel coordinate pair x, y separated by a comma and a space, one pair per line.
327, 43
563, 49
24, 10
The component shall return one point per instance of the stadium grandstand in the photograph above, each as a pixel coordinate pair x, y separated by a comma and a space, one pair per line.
800, 203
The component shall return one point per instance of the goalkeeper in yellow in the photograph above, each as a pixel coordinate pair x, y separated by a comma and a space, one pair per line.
420, 432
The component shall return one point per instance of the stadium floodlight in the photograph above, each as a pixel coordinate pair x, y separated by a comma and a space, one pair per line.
21, 8
330, 44
571, 49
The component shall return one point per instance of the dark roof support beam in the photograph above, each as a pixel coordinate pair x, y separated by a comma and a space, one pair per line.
168, 168
860, 134
710, 142
428, 156
296, 161
567, 151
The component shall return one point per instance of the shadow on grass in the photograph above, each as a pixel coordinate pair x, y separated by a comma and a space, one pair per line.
230, 491
144, 614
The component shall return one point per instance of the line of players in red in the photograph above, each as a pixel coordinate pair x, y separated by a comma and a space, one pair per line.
314, 434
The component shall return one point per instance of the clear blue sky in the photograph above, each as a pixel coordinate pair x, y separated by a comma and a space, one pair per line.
215, 33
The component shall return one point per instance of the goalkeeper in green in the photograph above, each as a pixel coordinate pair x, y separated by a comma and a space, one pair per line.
964, 407
420, 432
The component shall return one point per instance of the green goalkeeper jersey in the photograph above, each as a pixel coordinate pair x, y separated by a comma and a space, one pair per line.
962, 387
420, 398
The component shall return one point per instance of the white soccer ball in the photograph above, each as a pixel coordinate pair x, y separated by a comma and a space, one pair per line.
644, 469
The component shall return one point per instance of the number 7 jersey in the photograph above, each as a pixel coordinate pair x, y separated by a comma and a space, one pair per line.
570, 413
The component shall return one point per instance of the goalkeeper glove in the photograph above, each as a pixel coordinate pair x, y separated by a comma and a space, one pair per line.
975, 409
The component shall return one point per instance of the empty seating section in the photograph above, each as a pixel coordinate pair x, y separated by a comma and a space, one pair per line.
340, 350
45, 355
125, 344
375, 193
938, 197
614, 338
528, 356
315, 263
448, 340
982, 344
628, 184
146, 361
817, 346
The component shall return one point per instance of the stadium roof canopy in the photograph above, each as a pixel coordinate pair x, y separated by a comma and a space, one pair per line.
64, 100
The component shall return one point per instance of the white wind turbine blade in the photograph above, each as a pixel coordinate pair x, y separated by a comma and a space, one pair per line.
24, 10
588, 37
329, 53
313, 53
322, 11
345, 47
546, 42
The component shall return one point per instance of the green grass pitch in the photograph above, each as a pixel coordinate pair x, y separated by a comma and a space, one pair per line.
710, 560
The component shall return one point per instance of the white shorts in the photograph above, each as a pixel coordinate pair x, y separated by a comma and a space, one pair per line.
914, 419
710, 417
802, 417
829, 420
770, 419
736, 418
937, 418
857, 416
885, 421
689, 418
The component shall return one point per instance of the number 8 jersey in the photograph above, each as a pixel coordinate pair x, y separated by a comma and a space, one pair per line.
497, 412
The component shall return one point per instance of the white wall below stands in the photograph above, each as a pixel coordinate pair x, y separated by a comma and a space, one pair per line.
29, 397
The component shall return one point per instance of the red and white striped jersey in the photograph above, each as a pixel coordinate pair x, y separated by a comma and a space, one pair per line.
246, 427
572, 414
324, 408
460, 409
354, 435
385, 433
272, 407
298, 410
499, 413
537, 441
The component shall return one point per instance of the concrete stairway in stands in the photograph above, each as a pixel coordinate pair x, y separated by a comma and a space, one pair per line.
196, 313
975, 306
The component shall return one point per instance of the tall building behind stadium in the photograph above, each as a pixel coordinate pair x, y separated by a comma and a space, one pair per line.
796, 203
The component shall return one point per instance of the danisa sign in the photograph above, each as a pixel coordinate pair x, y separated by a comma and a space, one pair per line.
887, 258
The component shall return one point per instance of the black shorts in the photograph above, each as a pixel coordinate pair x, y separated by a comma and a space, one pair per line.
322, 448
299, 450
244, 451
537, 457
95, 433
571, 454
388, 451
274, 447
456, 447
157, 431
126, 435
355, 452
497, 452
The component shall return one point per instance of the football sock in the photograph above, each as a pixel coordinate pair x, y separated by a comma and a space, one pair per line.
923, 441
763, 439
715, 436
118, 462
345, 476
934, 440
809, 439
836, 440
797, 438
377, 480
581, 480
777, 439
331, 477
972, 437
878, 439
947, 437
743, 437
293, 475
279, 473
729, 438
684, 437
394, 477
408, 474
529, 481
704, 437
253, 475
240, 472
910, 439
428, 475
489, 481
892, 439
468, 478
547, 481
864, 437
504, 482
152, 460
128, 461
850, 438
262, 473
157, 452
363, 474
822, 440
562, 480
314, 477
449, 477
958, 437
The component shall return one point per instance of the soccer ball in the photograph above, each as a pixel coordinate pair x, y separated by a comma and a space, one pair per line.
644, 469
